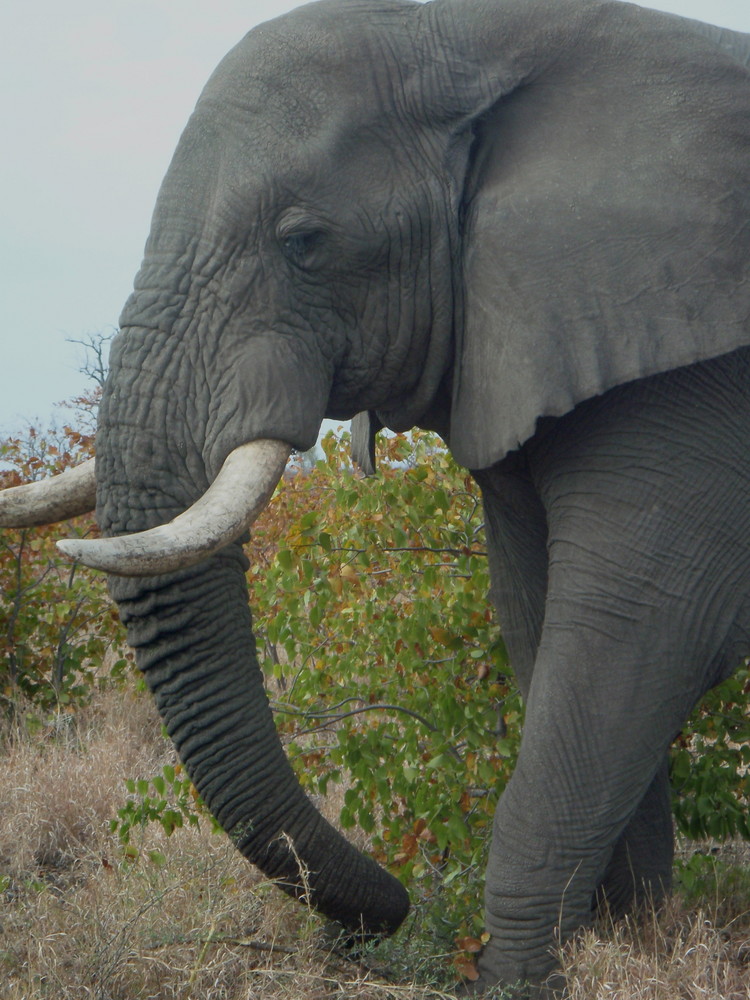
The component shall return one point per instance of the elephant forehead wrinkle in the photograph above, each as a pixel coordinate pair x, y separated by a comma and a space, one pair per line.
311, 44
323, 90
248, 94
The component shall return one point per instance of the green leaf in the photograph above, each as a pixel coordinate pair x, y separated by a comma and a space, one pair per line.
285, 558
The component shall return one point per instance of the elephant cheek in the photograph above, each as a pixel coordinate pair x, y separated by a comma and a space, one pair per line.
274, 388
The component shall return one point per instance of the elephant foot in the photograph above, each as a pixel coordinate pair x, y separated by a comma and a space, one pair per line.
488, 986
554, 989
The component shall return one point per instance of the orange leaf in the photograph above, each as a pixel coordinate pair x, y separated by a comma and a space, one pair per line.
409, 845
470, 944
466, 968
440, 634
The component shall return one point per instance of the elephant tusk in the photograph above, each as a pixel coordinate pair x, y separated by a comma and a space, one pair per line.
71, 493
229, 506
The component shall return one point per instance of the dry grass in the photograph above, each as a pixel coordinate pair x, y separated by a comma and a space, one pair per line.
677, 955
78, 921
62, 785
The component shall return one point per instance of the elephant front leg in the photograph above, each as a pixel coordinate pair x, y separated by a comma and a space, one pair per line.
647, 528
640, 870
559, 830
610, 686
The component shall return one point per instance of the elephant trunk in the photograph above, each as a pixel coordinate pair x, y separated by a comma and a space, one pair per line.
191, 626
192, 632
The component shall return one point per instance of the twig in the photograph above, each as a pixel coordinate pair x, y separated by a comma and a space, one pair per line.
255, 945
333, 717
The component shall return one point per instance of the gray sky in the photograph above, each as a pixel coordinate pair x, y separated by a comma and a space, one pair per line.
95, 97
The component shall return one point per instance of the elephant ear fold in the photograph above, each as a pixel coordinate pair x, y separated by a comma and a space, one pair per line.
606, 205
365, 427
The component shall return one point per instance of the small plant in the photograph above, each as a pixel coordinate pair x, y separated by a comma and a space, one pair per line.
710, 764
169, 799
708, 876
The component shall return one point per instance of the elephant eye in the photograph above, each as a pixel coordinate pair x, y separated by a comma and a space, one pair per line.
300, 246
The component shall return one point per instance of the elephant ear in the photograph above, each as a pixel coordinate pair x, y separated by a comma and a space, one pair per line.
606, 230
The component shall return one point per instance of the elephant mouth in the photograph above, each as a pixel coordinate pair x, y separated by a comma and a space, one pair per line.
234, 500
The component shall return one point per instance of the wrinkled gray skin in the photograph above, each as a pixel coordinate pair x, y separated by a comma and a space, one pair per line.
524, 224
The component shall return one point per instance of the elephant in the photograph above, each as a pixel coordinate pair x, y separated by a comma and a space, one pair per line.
525, 225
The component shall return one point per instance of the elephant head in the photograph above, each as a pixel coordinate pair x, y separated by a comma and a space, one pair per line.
464, 215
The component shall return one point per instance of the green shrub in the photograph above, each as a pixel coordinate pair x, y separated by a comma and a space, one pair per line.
374, 629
